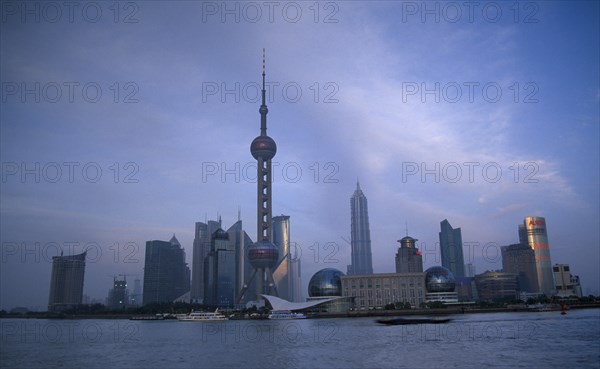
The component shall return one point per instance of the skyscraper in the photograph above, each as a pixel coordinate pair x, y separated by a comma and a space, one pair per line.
66, 282
470, 270
284, 279
408, 257
451, 249
537, 238
240, 241
136, 297
202, 235
220, 271
166, 275
118, 296
519, 259
263, 255
523, 235
360, 235
295, 274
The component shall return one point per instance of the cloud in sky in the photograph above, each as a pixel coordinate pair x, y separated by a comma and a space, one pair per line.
358, 116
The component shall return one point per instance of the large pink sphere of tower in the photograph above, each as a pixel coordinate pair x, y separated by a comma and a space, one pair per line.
263, 146
263, 254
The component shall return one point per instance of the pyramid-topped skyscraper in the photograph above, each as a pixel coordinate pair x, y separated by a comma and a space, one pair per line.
360, 237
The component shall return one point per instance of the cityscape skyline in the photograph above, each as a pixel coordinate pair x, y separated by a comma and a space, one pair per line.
182, 147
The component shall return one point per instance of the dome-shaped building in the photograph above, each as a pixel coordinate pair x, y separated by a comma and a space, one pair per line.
440, 285
326, 285
439, 279
326, 282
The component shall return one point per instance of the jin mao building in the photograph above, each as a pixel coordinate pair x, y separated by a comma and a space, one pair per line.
360, 236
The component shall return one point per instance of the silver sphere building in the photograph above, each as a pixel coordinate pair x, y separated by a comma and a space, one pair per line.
440, 285
325, 283
326, 286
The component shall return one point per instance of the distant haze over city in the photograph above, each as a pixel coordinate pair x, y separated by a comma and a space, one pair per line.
127, 122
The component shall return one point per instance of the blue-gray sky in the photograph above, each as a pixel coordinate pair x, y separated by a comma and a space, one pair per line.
378, 91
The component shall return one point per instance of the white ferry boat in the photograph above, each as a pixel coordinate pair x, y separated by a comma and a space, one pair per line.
201, 316
286, 315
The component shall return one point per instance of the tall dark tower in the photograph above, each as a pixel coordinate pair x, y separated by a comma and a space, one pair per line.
451, 249
263, 254
360, 236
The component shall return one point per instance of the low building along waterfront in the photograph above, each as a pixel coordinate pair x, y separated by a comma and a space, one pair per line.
379, 290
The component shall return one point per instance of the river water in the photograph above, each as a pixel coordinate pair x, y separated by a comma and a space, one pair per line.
507, 340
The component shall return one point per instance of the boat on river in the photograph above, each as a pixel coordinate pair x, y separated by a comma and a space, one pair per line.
284, 315
202, 316
148, 317
405, 321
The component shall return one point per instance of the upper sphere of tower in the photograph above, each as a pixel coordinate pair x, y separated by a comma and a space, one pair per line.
263, 146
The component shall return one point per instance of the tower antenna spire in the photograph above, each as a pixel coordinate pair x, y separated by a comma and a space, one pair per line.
406, 224
263, 108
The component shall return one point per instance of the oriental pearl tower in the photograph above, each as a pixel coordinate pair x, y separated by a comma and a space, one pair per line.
263, 254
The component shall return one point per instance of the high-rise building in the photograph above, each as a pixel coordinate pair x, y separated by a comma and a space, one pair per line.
202, 235
470, 270
240, 241
295, 274
537, 238
220, 271
166, 274
408, 257
263, 254
523, 235
451, 249
466, 289
136, 297
66, 282
117, 296
566, 284
360, 235
494, 286
519, 259
287, 273
281, 239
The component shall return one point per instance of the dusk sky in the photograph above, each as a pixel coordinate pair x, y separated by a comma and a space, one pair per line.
141, 114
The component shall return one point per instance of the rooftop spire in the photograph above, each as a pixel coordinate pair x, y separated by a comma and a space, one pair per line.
263, 108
